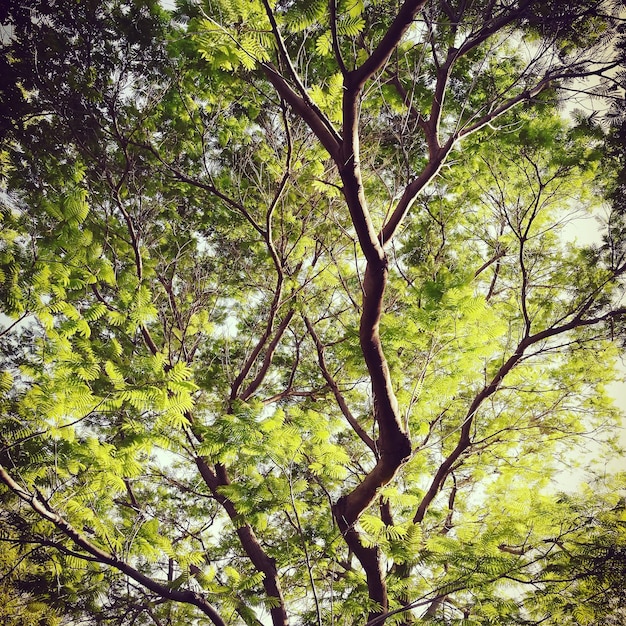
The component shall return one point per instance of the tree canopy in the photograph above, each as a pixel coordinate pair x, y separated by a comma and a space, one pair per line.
296, 328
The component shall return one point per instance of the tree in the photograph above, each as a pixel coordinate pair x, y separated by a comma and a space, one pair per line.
294, 329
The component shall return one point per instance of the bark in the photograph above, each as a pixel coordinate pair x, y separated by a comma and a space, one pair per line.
217, 478
393, 444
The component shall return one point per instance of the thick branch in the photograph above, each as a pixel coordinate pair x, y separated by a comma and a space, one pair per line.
394, 446
407, 13
284, 55
354, 193
215, 480
147, 337
411, 191
369, 557
330, 139
436, 109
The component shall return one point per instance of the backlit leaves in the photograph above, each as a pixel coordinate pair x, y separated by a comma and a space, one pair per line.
181, 280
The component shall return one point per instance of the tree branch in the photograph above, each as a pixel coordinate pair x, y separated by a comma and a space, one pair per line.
267, 359
332, 9
407, 13
215, 479
328, 137
464, 439
341, 401
412, 189
496, 257
284, 55
46, 512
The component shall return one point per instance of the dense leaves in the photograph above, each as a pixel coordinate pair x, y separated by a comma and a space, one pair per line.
295, 326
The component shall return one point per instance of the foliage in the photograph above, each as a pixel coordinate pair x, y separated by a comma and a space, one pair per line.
294, 325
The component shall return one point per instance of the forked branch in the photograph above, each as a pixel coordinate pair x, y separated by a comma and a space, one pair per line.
488, 390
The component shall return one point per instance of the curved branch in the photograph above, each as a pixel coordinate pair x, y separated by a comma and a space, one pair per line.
434, 165
499, 253
407, 13
464, 439
327, 135
268, 237
46, 512
212, 189
215, 479
394, 445
284, 55
341, 401
530, 93
267, 360
420, 120
438, 156
412, 189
